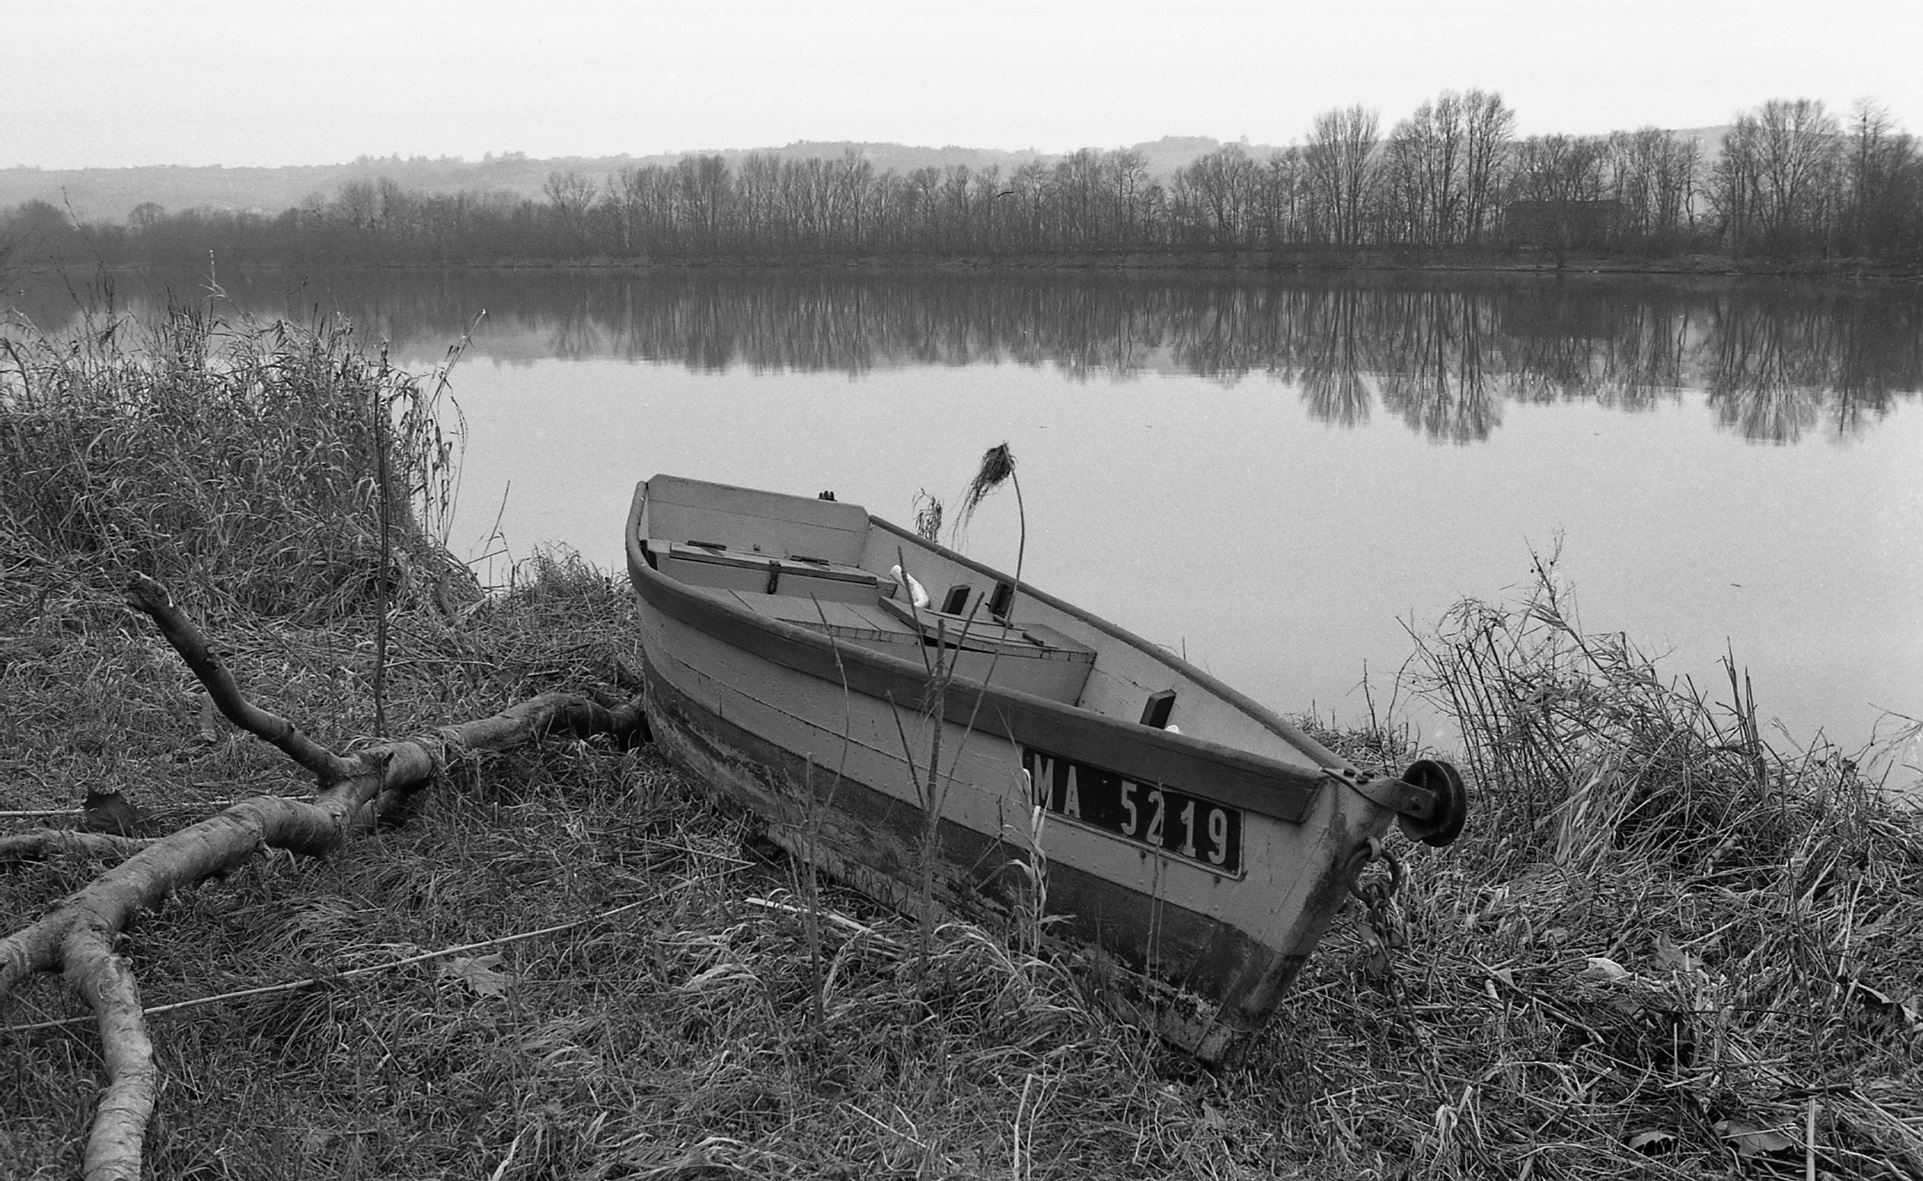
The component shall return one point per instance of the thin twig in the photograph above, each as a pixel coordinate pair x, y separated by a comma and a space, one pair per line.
317, 980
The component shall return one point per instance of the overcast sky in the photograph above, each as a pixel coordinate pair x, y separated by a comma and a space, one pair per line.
127, 82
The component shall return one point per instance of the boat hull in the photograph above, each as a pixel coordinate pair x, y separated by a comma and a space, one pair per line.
831, 744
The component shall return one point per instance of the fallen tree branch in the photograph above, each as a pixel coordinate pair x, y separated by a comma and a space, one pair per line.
149, 596
41, 843
75, 937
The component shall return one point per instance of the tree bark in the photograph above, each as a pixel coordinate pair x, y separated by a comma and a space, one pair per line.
76, 936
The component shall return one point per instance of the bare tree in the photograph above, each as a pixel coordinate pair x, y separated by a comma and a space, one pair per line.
1652, 175
1429, 149
1560, 168
1339, 162
1777, 174
924, 185
1801, 143
757, 190
1128, 177
957, 207
703, 187
646, 202
359, 203
1488, 126
1883, 181
1028, 189
1219, 189
1280, 197
854, 196
571, 194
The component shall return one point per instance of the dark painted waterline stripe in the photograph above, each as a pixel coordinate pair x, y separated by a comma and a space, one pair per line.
1196, 951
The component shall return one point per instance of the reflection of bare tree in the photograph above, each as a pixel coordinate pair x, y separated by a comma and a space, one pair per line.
1440, 387
1557, 345
1880, 352
1333, 357
1643, 361
1565, 345
575, 333
1773, 365
1442, 352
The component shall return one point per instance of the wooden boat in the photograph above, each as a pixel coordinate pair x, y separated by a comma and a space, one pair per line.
1195, 842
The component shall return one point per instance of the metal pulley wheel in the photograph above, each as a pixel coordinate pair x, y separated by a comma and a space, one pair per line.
1444, 824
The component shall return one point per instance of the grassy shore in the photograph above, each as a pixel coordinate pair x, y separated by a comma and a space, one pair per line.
1661, 949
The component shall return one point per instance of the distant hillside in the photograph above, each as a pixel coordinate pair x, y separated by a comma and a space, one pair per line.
109, 194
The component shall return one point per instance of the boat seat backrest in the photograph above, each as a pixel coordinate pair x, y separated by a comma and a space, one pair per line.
683, 510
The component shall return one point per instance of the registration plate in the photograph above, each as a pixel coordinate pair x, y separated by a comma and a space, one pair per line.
1144, 813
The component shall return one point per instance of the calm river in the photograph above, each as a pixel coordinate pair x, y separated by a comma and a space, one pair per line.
1276, 476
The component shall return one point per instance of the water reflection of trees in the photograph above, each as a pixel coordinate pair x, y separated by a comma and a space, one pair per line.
1443, 354
1439, 381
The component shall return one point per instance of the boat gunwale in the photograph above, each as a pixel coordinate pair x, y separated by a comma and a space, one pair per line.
1272, 721
1256, 782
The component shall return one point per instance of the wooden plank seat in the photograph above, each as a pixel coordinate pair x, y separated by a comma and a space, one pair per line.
1028, 657
707, 564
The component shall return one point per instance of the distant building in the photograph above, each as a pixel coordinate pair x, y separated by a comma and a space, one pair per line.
1559, 225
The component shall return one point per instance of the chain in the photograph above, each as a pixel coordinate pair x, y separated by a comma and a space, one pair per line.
1386, 933
1376, 895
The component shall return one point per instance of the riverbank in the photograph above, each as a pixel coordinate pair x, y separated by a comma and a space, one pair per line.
1162, 263
1207, 262
1199, 260
1660, 948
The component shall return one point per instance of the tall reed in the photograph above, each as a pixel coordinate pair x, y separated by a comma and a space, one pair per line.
1583, 751
239, 459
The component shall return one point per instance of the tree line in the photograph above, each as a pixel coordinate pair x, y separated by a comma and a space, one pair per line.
1791, 181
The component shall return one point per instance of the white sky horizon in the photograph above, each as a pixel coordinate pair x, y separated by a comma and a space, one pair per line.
114, 83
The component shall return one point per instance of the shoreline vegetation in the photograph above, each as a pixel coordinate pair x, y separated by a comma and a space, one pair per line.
1177, 262
1662, 947
1788, 187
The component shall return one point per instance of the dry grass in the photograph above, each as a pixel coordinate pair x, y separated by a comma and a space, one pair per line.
1659, 948
235, 459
